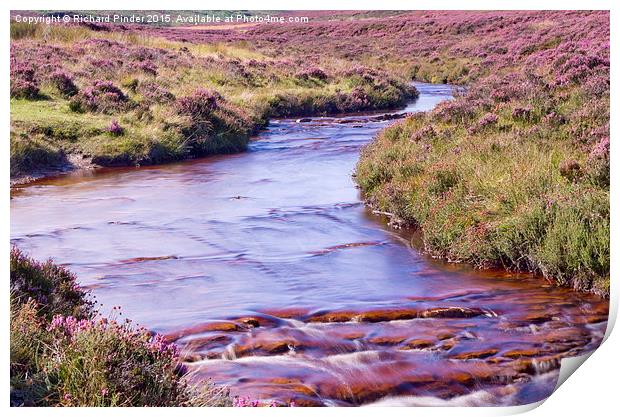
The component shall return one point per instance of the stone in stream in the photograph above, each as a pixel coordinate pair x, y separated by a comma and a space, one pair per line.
480, 354
353, 335
211, 326
386, 340
520, 353
389, 315
390, 116
383, 315
208, 342
418, 344
249, 321
451, 312
286, 313
332, 317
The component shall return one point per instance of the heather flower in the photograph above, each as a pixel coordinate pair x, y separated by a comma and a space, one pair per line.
256, 64
103, 64
522, 113
554, 118
601, 149
367, 74
102, 96
22, 70
487, 120
359, 97
23, 82
57, 322
49, 283
155, 92
455, 111
246, 402
21, 88
63, 82
597, 86
425, 132
145, 66
115, 128
313, 72
200, 104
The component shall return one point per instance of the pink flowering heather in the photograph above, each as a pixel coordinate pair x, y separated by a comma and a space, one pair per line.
100, 96
63, 82
155, 93
23, 81
53, 287
313, 72
115, 128
523, 113
487, 120
200, 104
147, 67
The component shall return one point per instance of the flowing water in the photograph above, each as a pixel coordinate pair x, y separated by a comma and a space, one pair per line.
269, 271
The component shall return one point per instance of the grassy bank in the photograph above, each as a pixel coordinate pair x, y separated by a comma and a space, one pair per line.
63, 353
125, 98
514, 172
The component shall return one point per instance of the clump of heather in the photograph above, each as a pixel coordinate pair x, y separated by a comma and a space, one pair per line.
65, 354
147, 67
420, 134
100, 96
120, 365
52, 287
523, 113
64, 83
115, 128
312, 72
154, 92
23, 82
199, 105
210, 123
489, 119
21, 88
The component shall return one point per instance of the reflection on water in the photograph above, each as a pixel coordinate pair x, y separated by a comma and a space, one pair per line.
270, 271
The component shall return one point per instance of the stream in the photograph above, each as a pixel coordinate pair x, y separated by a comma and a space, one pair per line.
276, 281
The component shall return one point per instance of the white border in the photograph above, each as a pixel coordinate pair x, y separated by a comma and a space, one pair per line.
593, 391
